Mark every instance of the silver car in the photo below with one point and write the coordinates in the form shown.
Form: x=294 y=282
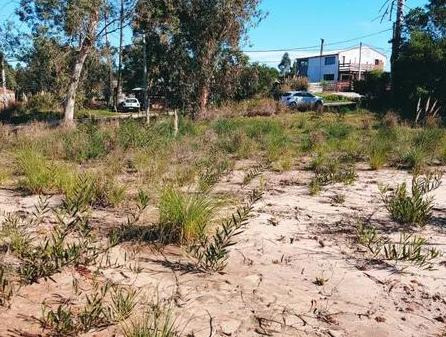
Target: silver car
x=302 y=100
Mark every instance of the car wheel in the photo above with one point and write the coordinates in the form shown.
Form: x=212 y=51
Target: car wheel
x=293 y=105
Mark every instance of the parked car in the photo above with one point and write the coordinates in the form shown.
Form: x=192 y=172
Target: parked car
x=129 y=104
x=302 y=100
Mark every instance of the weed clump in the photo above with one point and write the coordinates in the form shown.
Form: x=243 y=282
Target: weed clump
x=330 y=171
x=413 y=208
x=410 y=248
x=183 y=217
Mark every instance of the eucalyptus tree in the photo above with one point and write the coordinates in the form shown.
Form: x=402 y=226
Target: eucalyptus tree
x=199 y=33
x=79 y=24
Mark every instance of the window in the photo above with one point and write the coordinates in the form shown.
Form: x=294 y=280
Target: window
x=377 y=62
x=307 y=94
x=329 y=77
x=330 y=60
x=298 y=94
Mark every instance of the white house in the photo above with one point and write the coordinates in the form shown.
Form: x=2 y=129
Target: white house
x=341 y=66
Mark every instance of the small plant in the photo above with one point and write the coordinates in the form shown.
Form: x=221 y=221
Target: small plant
x=123 y=302
x=414 y=208
x=70 y=319
x=320 y=281
x=212 y=252
x=183 y=217
x=61 y=322
x=157 y=322
x=330 y=172
x=410 y=248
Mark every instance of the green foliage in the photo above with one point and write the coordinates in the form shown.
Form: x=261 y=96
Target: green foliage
x=329 y=171
x=419 y=71
x=94 y=311
x=183 y=217
x=414 y=208
x=410 y=248
x=211 y=252
x=124 y=301
x=41 y=175
x=86 y=142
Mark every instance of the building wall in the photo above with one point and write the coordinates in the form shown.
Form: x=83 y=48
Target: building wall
x=315 y=73
x=368 y=57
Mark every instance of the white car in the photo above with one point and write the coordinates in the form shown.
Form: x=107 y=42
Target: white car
x=302 y=100
x=130 y=104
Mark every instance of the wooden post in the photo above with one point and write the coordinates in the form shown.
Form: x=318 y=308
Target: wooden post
x=175 y=122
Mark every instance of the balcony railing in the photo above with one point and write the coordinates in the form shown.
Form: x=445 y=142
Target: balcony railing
x=354 y=67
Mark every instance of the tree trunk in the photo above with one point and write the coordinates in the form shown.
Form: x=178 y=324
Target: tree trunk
x=85 y=48
x=74 y=84
x=204 y=97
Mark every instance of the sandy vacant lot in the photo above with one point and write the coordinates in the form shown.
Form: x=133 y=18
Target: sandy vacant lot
x=269 y=287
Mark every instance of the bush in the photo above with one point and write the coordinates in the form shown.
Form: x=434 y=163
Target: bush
x=87 y=142
x=183 y=217
x=415 y=208
x=45 y=102
x=261 y=107
x=295 y=84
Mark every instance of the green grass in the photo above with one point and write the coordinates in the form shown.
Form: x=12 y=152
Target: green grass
x=39 y=175
x=184 y=217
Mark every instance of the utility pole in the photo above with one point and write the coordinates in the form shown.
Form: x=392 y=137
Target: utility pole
x=360 y=60
x=109 y=63
x=121 y=26
x=145 y=74
x=320 y=60
x=397 y=32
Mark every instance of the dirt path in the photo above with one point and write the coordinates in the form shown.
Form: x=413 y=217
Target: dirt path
x=269 y=287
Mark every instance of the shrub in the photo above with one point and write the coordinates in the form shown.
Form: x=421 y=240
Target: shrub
x=183 y=217
x=391 y=120
x=87 y=142
x=261 y=107
x=45 y=102
x=414 y=208
x=295 y=84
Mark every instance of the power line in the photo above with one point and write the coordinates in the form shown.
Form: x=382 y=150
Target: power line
x=316 y=46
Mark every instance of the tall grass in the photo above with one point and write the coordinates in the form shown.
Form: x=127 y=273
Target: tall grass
x=183 y=217
x=39 y=175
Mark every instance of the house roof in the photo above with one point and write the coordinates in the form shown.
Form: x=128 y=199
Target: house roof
x=337 y=52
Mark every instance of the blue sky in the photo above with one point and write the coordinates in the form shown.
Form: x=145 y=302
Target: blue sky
x=298 y=23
